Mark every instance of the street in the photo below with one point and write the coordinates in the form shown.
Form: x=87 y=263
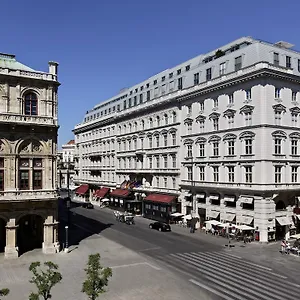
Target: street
x=209 y=266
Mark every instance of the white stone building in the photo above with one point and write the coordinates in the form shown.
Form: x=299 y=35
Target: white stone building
x=28 y=145
x=219 y=134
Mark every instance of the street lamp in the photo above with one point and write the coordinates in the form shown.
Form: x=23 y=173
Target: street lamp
x=67 y=239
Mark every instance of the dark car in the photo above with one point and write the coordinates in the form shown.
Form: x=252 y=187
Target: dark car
x=160 y=226
x=88 y=205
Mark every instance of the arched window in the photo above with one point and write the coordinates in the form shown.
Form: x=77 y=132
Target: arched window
x=30 y=104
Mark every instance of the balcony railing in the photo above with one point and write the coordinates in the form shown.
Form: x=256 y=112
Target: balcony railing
x=27 y=195
x=148 y=170
x=37 y=120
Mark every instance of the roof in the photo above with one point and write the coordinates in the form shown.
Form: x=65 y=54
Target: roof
x=8 y=61
x=71 y=142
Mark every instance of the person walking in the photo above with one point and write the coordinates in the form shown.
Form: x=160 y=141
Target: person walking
x=283 y=247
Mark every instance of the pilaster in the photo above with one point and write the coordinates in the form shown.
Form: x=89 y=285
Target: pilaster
x=50 y=244
x=11 y=249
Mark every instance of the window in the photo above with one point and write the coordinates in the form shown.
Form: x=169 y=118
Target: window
x=180 y=83
x=173 y=182
x=201 y=125
x=238 y=63
x=148 y=95
x=165 y=184
x=288 y=62
x=215 y=148
x=202 y=106
x=277 y=93
x=230 y=173
x=158 y=121
x=222 y=69
x=147 y=85
x=166 y=119
x=248 y=94
x=298 y=65
x=141 y=98
x=208 y=74
x=165 y=162
x=24 y=180
x=230 y=147
x=1 y=174
x=124 y=106
x=294 y=119
x=170 y=75
x=196 y=78
x=277 y=144
x=163 y=89
x=30 y=104
x=294 y=173
x=143 y=124
x=216 y=124
x=165 y=140
x=174 y=139
x=189 y=150
x=156 y=92
x=278 y=116
x=151 y=122
x=189 y=128
x=155 y=82
x=174 y=164
x=230 y=119
x=216 y=174
x=248 y=174
x=157 y=162
x=248 y=146
x=187 y=68
x=294 y=147
x=189 y=109
x=150 y=142
x=171 y=85
x=278 y=174
x=129 y=103
x=190 y=173
x=178 y=71
x=230 y=99
x=294 y=96
x=150 y=163
x=216 y=103
x=201 y=149
x=276 y=59
x=248 y=118
x=174 y=117
x=157 y=140
x=201 y=173
x=163 y=78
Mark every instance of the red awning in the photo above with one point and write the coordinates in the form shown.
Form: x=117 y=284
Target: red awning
x=82 y=189
x=101 y=193
x=160 y=198
x=120 y=193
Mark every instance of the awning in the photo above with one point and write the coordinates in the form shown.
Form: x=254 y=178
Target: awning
x=244 y=227
x=225 y=225
x=283 y=221
x=229 y=217
x=213 y=222
x=120 y=193
x=248 y=200
x=245 y=220
x=161 y=198
x=201 y=196
x=82 y=189
x=295 y=236
x=229 y=199
x=177 y=214
x=101 y=193
x=214 y=214
x=187 y=217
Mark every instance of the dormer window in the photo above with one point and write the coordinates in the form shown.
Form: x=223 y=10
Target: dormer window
x=30 y=104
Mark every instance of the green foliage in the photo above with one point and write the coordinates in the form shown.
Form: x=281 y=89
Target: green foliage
x=219 y=53
x=44 y=280
x=97 y=277
x=4 y=292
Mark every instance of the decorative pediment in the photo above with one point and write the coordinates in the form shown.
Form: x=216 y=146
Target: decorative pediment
x=188 y=121
x=214 y=115
x=295 y=110
x=279 y=108
x=229 y=136
x=201 y=118
x=201 y=140
x=279 y=134
x=229 y=112
x=295 y=135
x=214 y=138
x=246 y=109
x=188 y=141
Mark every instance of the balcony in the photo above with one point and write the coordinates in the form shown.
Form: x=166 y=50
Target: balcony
x=28 y=195
x=28 y=74
x=149 y=171
x=28 y=120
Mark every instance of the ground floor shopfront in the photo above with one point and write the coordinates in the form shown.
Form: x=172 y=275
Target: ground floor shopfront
x=25 y=226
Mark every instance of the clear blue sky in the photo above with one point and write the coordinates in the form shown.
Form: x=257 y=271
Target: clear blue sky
x=103 y=46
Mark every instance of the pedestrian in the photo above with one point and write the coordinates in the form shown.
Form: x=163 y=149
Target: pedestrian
x=283 y=246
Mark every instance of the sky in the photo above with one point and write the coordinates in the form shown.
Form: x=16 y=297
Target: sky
x=104 y=46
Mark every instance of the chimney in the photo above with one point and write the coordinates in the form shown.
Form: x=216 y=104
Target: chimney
x=53 y=67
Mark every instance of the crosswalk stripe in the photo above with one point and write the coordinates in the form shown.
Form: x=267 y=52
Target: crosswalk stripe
x=259 y=276
x=212 y=290
x=229 y=283
x=248 y=279
x=248 y=263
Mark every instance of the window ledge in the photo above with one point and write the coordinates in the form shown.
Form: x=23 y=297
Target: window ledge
x=279 y=155
x=246 y=155
x=295 y=155
x=215 y=156
x=230 y=156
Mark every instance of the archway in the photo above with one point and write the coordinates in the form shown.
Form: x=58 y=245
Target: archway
x=280 y=205
x=2 y=235
x=30 y=233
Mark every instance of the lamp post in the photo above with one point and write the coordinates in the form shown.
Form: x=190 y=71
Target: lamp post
x=68 y=188
x=67 y=239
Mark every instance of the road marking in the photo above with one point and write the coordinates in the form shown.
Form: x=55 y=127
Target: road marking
x=211 y=290
x=233 y=255
x=136 y=264
x=149 y=249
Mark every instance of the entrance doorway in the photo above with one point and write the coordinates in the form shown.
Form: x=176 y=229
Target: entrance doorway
x=2 y=235
x=30 y=233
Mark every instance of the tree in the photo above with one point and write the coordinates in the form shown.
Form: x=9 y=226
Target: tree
x=4 y=292
x=97 y=277
x=44 y=280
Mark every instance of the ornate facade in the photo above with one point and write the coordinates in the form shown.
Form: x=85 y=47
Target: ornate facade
x=220 y=132
x=28 y=145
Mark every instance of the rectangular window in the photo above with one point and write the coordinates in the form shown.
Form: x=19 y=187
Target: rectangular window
x=155 y=82
x=170 y=75
x=189 y=109
x=174 y=139
x=201 y=173
x=208 y=74
x=141 y=98
x=189 y=151
x=1 y=180
x=163 y=89
x=230 y=99
x=230 y=121
x=196 y=78
x=165 y=162
x=278 y=174
x=24 y=180
x=215 y=148
x=216 y=174
x=150 y=142
x=174 y=183
x=157 y=141
x=248 y=146
x=231 y=173
x=277 y=93
x=248 y=118
x=202 y=150
x=230 y=147
x=129 y=103
x=37 y=180
x=187 y=68
x=189 y=173
x=278 y=117
x=171 y=85
x=180 y=83
x=150 y=163
x=202 y=106
x=288 y=62
x=298 y=65
x=157 y=162
x=248 y=174
x=294 y=96
x=165 y=140
x=294 y=147
x=174 y=165
x=216 y=124
x=222 y=69
x=238 y=63
x=178 y=71
x=216 y=103
x=294 y=119
x=148 y=95
x=276 y=59
x=165 y=182
x=156 y=92
x=248 y=94
x=189 y=128
x=294 y=173
x=277 y=143
x=202 y=126
x=163 y=78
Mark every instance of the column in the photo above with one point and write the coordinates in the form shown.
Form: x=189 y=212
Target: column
x=50 y=244
x=11 y=249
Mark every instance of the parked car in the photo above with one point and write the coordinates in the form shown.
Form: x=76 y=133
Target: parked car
x=88 y=205
x=160 y=226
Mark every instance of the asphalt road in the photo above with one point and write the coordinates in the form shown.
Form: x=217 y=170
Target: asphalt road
x=208 y=266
